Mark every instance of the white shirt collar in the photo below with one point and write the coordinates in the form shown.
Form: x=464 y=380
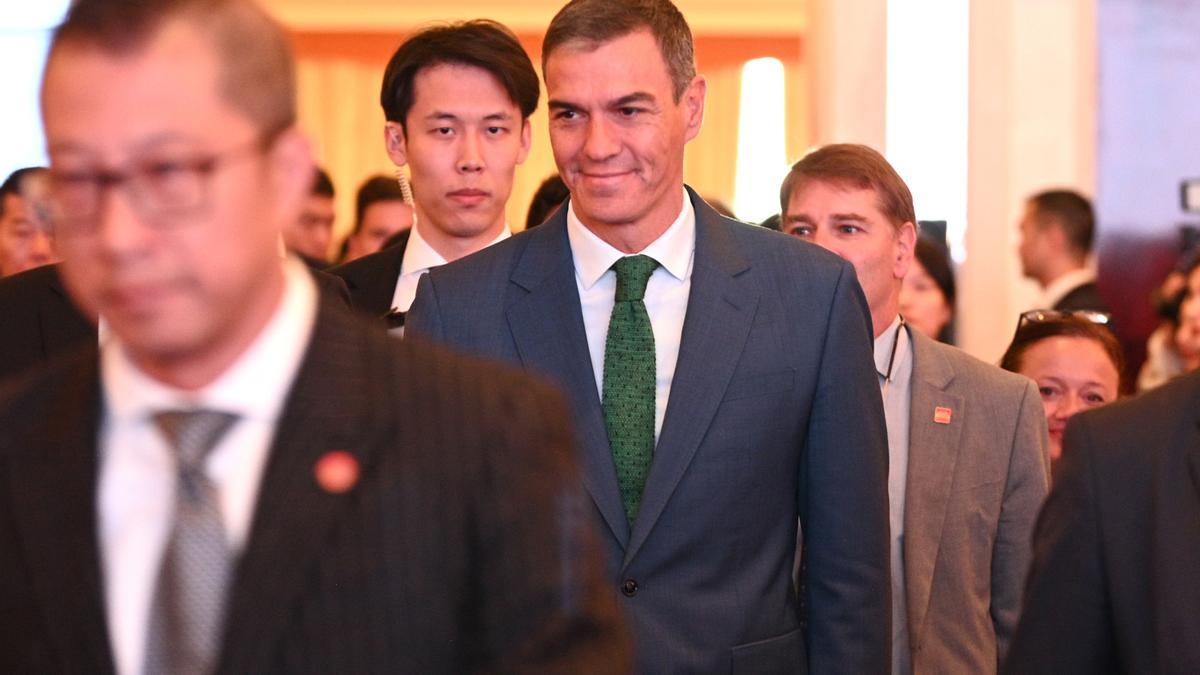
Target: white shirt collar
x=1058 y=289
x=672 y=250
x=254 y=387
x=420 y=257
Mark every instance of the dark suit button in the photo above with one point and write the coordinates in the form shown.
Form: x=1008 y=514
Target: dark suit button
x=629 y=587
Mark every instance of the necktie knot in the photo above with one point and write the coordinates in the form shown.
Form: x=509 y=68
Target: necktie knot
x=633 y=273
x=192 y=434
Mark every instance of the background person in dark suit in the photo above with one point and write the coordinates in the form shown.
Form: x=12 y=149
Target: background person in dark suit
x=730 y=393
x=1114 y=586
x=26 y=239
x=244 y=479
x=1057 y=231
x=457 y=100
x=309 y=236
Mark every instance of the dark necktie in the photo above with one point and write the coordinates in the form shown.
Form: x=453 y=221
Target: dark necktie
x=629 y=381
x=186 y=614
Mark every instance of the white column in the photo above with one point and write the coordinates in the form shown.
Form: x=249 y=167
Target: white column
x=1032 y=125
x=849 y=71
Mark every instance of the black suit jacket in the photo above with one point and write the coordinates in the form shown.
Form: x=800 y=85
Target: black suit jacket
x=1115 y=582
x=38 y=320
x=462 y=546
x=371 y=279
x=1085 y=296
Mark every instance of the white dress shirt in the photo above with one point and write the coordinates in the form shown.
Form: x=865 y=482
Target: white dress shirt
x=895 y=383
x=419 y=258
x=1060 y=287
x=666 y=294
x=137 y=469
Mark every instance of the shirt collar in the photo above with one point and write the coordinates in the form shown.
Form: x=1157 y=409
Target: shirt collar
x=1068 y=282
x=254 y=387
x=673 y=249
x=883 y=347
x=419 y=256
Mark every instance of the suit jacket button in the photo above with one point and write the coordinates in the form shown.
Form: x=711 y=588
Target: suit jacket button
x=629 y=587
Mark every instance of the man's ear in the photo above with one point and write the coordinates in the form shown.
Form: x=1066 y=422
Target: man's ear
x=693 y=106
x=905 y=246
x=526 y=140
x=396 y=143
x=292 y=170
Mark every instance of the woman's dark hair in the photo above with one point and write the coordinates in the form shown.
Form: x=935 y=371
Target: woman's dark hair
x=937 y=263
x=1033 y=332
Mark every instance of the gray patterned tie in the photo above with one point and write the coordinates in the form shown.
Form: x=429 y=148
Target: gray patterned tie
x=184 y=630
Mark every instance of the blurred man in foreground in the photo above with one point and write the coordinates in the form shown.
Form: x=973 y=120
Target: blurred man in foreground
x=244 y=479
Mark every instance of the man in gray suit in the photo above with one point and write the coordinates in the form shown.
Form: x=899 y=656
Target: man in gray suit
x=967 y=441
x=720 y=378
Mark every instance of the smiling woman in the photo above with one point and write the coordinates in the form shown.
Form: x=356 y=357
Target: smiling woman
x=1075 y=362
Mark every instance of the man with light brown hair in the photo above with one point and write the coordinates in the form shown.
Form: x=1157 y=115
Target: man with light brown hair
x=243 y=477
x=967 y=442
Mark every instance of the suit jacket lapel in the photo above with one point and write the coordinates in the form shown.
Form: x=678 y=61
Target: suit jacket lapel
x=328 y=409
x=545 y=278
x=375 y=292
x=720 y=312
x=933 y=450
x=54 y=504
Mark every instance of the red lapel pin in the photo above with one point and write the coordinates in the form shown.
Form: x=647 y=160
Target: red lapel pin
x=336 y=471
x=942 y=415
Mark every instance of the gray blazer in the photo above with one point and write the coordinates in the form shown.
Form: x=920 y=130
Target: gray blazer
x=974 y=489
x=774 y=414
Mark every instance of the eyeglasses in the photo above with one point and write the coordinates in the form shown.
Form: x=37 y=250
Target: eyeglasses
x=1046 y=315
x=159 y=188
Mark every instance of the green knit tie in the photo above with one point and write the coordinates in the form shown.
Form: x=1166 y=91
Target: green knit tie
x=629 y=381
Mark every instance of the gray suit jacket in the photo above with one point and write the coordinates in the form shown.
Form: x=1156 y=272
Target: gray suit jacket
x=774 y=414
x=975 y=486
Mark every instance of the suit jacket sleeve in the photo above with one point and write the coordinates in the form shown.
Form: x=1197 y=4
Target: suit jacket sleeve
x=423 y=318
x=1024 y=491
x=1064 y=625
x=545 y=607
x=844 y=500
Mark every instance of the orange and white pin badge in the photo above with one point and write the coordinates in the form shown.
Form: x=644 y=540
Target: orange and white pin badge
x=942 y=415
x=336 y=472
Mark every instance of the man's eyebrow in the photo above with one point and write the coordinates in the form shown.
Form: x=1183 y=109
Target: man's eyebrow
x=798 y=218
x=635 y=97
x=848 y=216
x=438 y=115
x=628 y=99
x=501 y=116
